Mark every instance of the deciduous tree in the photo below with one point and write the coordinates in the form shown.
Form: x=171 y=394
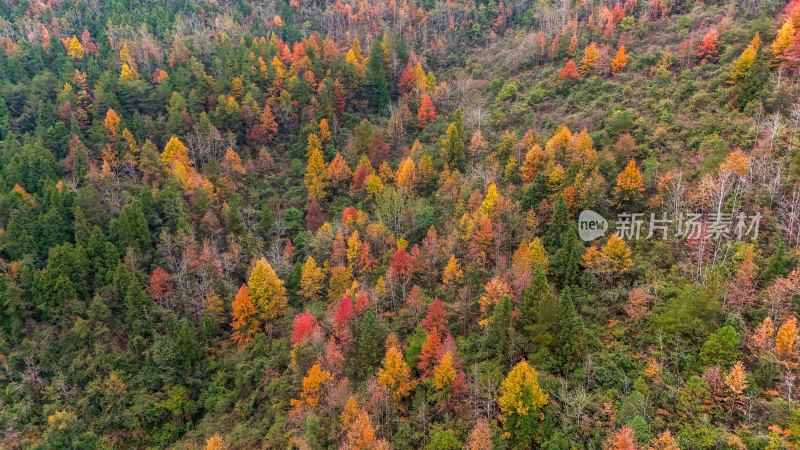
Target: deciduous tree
x=267 y=291
x=521 y=401
x=245 y=317
x=395 y=374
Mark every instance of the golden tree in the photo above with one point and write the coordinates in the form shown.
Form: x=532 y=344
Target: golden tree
x=311 y=279
x=786 y=340
x=395 y=374
x=520 y=401
x=783 y=40
x=591 y=55
x=312 y=385
x=452 y=271
x=215 y=442
x=406 y=174
x=629 y=182
x=664 y=441
x=316 y=176
x=74 y=48
x=267 y=291
x=444 y=373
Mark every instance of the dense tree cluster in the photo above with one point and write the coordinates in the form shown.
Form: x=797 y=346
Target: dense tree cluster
x=352 y=225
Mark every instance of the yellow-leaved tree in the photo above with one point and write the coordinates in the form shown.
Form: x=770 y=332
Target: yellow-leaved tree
x=74 y=48
x=316 y=176
x=311 y=278
x=444 y=373
x=312 y=385
x=267 y=291
x=521 y=400
x=629 y=183
x=395 y=374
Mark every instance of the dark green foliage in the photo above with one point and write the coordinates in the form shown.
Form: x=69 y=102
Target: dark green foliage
x=368 y=348
x=375 y=90
x=501 y=336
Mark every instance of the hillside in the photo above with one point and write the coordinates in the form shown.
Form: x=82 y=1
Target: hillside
x=364 y=225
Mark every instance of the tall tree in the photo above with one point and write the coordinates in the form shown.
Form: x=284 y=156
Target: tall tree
x=267 y=291
x=376 y=89
x=521 y=401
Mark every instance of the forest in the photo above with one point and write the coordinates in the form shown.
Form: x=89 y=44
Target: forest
x=362 y=224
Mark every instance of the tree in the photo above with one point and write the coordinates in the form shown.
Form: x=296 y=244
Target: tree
x=480 y=438
x=444 y=373
x=622 y=439
x=215 y=442
x=175 y=150
x=312 y=385
x=359 y=433
x=521 y=401
x=344 y=312
x=311 y=279
x=589 y=62
x=315 y=178
x=339 y=172
x=267 y=291
x=707 y=50
x=620 y=60
x=614 y=258
x=638 y=298
x=436 y=318
x=377 y=92
x=742 y=289
x=537 y=293
x=501 y=335
x=664 y=441
x=748 y=73
x=783 y=40
x=160 y=285
x=74 y=48
x=441 y=439
x=304 y=325
x=265 y=128
x=452 y=144
x=112 y=122
x=721 y=347
x=786 y=340
x=736 y=379
x=629 y=183
x=245 y=319
x=395 y=374
x=569 y=72
x=368 y=345
x=430 y=352
x=132 y=229
x=452 y=271
x=406 y=174
x=426 y=112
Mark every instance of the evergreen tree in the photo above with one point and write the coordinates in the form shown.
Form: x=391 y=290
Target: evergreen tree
x=368 y=347
x=566 y=262
x=559 y=223
x=501 y=336
x=132 y=229
x=376 y=89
